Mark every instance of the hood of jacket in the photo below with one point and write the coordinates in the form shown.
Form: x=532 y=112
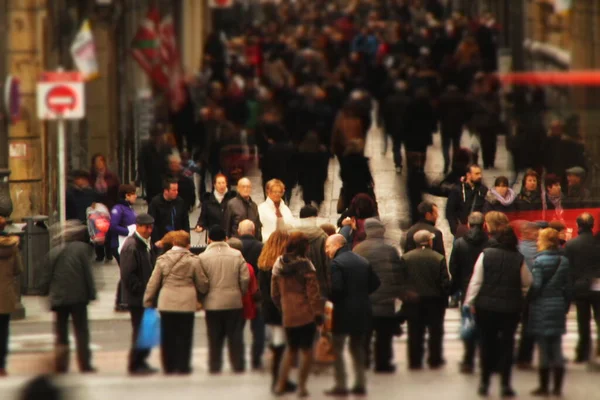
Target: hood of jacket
x=494 y=197
x=476 y=236
x=374 y=228
x=7 y=244
x=287 y=266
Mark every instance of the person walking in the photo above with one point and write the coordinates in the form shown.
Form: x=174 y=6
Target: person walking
x=137 y=262
x=168 y=211
x=122 y=216
x=425 y=273
x=11 y=267
x=242 y=207
x=251 y=249
x=583 y=253
x=173 y=288
x=68 y=282
x=495 y=294
x=465 y=252
x=385 y=261
x=295 y=291
x=272 y=250
x=352 y=281
x=428 y=213
x=549 y=306
x=225 y=281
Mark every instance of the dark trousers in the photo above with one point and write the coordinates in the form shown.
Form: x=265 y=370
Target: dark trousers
x=4 y=332
x=489 y=145
x=584 y=315
x=450 y=139
x=527 y=341
x=470 y=348
x=383 y=329
x=78 y=313
x=104 y=250
x=428 y=315
x=177 y=336
x=118 y=296
x=221 y=324
x=137 y=357
x=497 y=331
x=258 y=329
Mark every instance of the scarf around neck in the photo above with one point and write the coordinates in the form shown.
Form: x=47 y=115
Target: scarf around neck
x=219 y=196
x=505 y=201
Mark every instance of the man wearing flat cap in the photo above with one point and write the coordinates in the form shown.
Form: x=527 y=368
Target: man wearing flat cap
x=423 y=271
x=575 y=188
x=225 y=281
x=137 y=263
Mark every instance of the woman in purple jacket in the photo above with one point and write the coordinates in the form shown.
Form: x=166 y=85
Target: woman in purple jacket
x=122 y=216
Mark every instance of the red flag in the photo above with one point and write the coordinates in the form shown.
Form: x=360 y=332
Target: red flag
x=145 y=48
x=171 y=61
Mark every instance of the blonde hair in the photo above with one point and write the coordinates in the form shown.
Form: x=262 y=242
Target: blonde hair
x=548 y=239
x=496 y=221
x=274 y=247
x=274 y=182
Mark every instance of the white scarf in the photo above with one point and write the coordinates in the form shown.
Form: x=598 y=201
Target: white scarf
x=219 y=196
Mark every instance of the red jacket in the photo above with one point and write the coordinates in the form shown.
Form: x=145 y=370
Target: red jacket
x=248 y=299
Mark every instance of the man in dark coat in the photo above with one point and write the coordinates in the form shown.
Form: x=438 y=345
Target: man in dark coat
x=352 y=281
x=425 y=273
x=240 y=208
x=393 y=112
x=385 y=261
x=465 y=198
x=185 y=185
x=583 y=253
x=251 y=249
x=428 y=216
x=80 y=196
x=168 y=211
x=137 y=263
x=465 y=252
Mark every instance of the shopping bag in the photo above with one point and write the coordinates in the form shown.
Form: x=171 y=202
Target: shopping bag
x=324 y=350
x=468 y=328
x=149 y=333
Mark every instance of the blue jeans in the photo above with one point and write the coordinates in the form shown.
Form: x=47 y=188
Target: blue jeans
x=550 y=348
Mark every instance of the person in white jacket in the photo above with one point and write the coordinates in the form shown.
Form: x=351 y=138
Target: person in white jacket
x=274 y=213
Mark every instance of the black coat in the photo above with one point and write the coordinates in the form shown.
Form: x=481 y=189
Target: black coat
x=251 y=249
x=187 y=189
x=352 y=281
x=438 y=242
x=237 y=210
x=213 y=212
x=137 y=263
x=583 y=253
x=462 y=201
x=465 y=252
x=78 y=201
x=168 y=216
x=271 y=313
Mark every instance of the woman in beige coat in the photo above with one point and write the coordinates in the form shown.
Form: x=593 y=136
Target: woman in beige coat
x=174 y=282
x=10 y=268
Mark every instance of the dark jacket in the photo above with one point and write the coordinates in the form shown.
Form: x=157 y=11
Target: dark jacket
x=122 y=215
x=295 y=290
x=137 y=263
x=352 y=281
x=168 y=216
x=187 y=190
x=251 y=249
x=385 y=261
x=110 y=197
x=316 y=254
x=213 y=212
x=465 y=252
x=11 y=267
x=239 y=209
x=78 y=200
x=438 y=242
x=462 y=201
x=492 y=203
x=501 y=290
x=583 y=253
x=67 y=275
x=549 y=299
x=271 y=314
x=426 y=273
x=528 y=201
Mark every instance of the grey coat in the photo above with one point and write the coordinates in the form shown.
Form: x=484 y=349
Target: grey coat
x=385 y=261
x=549 y=301
x=225 y=277
x=239 y=209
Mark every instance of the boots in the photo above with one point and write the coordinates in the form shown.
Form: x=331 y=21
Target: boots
x=559 y=376
x=542 y=390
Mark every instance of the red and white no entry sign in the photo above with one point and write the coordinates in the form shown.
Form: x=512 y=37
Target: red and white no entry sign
x=60 y=95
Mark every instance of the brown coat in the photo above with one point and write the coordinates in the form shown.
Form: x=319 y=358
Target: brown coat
x=10 y=268
x=295 y=291
x=175 y=281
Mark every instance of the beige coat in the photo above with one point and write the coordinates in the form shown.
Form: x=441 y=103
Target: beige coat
x=226 y=277
x=176 y=281
x=10 y=268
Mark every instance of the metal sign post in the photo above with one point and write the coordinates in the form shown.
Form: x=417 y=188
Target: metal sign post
x=62 y=173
